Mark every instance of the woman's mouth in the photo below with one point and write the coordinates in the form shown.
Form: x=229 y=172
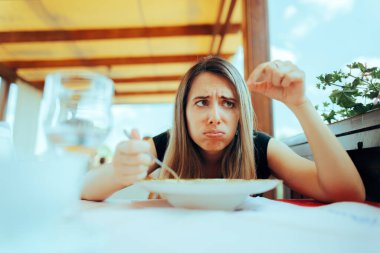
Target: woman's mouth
x=214 y=134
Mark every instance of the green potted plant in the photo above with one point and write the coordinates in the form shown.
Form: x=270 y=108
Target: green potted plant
x=355 y=92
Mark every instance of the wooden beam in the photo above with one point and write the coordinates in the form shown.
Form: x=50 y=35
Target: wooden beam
x=39 y=84
x=226 y=26
x=141 y=93
x=143 y=79
x=33 y=64
x=216 y=29
x=144 y=99
x=4 y=94
x=256 y=51
x=102 y=34
x=7 y=73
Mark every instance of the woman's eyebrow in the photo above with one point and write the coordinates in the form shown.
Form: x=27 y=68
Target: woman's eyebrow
x=228 y=98
x=200 y=97
x=206 y=97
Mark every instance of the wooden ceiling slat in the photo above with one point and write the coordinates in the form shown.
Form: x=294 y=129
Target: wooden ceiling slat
x=148 y=79
x=153 y=92
x=144 y=99
x=226 y=27
x=39 y=84
x=216 y=29
x=102 y=34
x=33 y=64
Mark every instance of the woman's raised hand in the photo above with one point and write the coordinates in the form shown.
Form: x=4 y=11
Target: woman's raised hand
x=131 y=161
x=280 y=80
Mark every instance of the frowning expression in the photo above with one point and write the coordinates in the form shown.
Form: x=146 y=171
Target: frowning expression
x=212 y=112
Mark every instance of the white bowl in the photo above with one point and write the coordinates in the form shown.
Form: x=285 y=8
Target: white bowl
x=216 y=194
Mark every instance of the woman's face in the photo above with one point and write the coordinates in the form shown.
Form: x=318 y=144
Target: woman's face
x=212 y=112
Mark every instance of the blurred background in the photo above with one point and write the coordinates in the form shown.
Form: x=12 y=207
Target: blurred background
x=146 y=46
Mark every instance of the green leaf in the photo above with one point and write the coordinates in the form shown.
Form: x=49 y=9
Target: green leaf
x=329 y=117
x=321 y=78
x=359 y=109
x=371 y=106
x=329 y=78
x=376 y=74
x=373 y=94
x=342 y=98
x=356 y=82
x=362 y=67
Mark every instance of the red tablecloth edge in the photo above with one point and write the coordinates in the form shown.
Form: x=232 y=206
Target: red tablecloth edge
x=314 y=203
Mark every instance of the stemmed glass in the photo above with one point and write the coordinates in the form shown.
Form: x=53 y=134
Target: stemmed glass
x=78 y=110
x=77 y=118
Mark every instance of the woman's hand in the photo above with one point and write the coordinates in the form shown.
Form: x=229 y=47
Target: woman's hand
x=280 y=80
x=131 y=161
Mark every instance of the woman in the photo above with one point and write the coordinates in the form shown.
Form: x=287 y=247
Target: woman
x=213 y=137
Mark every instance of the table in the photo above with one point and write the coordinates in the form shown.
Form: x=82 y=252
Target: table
x=262 y=225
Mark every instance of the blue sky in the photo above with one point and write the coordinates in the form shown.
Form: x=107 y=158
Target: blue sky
x=321 y=36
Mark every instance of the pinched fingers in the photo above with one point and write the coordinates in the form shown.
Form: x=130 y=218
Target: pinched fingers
x=125 y=158
x=276 y=73
x=258 y=75
x=130 y=151
x=132 y=147
x=127 y=173
x=293 y=77
x=290 y=74
x=131 y=161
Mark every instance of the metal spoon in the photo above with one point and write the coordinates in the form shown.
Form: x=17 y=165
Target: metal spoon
x=156 y=160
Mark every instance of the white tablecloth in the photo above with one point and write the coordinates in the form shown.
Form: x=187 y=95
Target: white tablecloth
x=154 y=226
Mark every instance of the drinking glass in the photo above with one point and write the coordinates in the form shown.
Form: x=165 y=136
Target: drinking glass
x=77 y=110
x=41 y=190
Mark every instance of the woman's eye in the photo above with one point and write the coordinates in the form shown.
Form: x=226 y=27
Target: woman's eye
x=229 y=104
x=201 y=103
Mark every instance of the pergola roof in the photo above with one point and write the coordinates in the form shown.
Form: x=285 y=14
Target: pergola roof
x=145 y=46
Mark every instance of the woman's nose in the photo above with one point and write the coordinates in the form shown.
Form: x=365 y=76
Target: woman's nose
x=214 y=115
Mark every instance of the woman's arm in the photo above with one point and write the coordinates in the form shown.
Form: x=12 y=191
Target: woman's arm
x=332 y=176
x=130 y=164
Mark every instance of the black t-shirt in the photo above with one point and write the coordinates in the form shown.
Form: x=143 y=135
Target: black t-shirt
x=260 y=140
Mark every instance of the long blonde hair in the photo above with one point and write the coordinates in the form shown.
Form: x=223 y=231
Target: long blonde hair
x=184 y=156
